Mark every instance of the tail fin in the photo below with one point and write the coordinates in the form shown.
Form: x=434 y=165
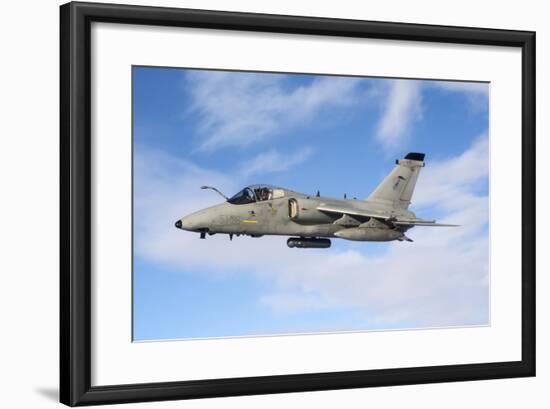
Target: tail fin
x=397 y=188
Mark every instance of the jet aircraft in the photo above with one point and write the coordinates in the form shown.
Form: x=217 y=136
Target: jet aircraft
x=312 y=220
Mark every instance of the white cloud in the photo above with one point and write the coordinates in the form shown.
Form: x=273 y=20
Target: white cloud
x=165 y=189
x=402 y=109
x=239 y=109
x=274 y=161
x=441 y=279
x=452 y=184
x=403 y=106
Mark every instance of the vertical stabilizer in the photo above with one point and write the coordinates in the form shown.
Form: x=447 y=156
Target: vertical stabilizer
x=397 y=188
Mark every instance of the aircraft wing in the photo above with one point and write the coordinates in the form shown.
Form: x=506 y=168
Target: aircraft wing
x=339 y=209
x=351 y=211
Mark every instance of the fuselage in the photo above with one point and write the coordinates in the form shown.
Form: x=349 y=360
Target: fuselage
x=288 y=213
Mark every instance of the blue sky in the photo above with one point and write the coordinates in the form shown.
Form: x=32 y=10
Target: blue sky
x=307 y=133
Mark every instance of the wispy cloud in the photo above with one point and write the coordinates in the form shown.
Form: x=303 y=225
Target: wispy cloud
x=165 y=189
x=402 y=108
x=239 y=109
x=242 y=109
x=274 y=161
x=454 y=183
x=441 y=279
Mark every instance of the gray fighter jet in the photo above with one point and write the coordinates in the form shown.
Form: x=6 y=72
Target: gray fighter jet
x=260 y=210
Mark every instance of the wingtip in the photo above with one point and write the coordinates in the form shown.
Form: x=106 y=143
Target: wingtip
x=415 y=156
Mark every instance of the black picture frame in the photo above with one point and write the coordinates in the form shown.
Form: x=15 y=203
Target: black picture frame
x=76 y=198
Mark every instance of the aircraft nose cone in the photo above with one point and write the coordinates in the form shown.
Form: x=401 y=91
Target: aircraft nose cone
x=198 y=221
x=192 y=222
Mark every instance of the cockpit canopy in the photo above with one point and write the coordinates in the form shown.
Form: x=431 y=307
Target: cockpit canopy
x=256 y=193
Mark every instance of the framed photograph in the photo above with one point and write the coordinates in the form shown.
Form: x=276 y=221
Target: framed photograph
x=256 y=204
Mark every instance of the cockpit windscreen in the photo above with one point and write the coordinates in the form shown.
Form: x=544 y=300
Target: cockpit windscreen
x=245 y=196
x=256 y=193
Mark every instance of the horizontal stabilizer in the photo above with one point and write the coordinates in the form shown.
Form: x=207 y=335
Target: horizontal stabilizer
x=428 y=223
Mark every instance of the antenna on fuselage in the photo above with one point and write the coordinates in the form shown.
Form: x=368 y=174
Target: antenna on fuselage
x=215 y=190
